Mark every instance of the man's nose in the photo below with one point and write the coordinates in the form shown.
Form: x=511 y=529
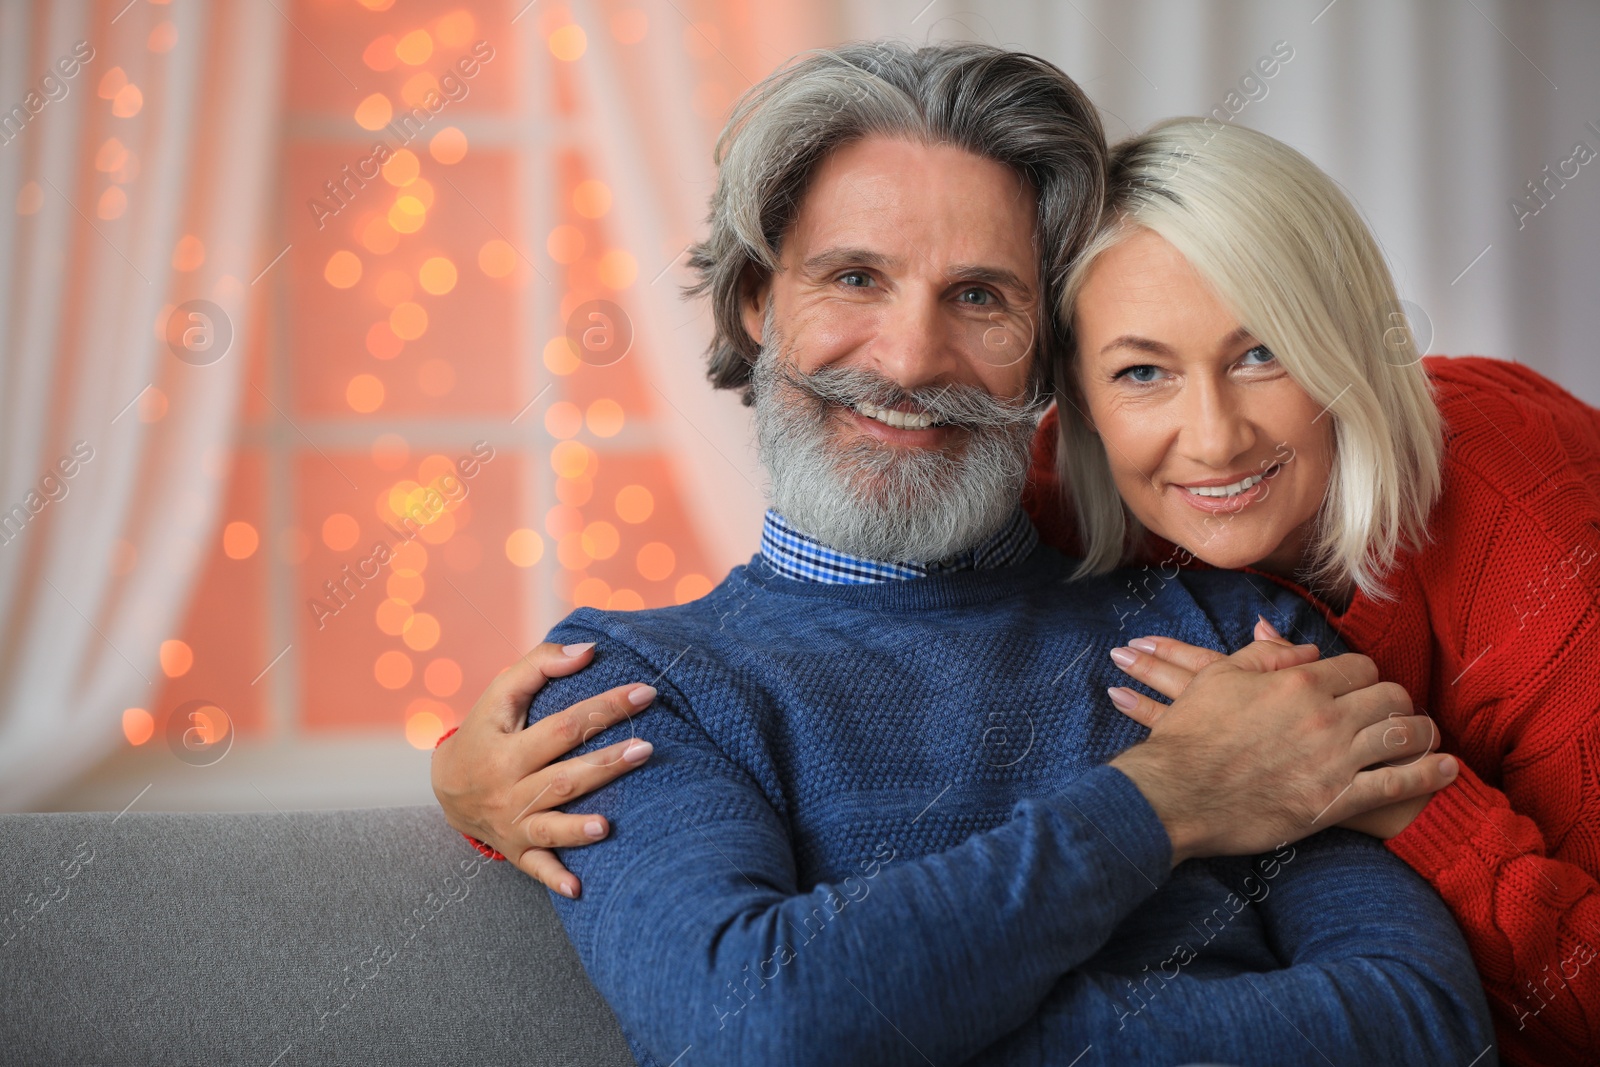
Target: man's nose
x=917 y=344
x=1216 y=430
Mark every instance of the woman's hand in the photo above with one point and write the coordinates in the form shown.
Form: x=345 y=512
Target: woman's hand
x=1168 y=666
x=501 y=782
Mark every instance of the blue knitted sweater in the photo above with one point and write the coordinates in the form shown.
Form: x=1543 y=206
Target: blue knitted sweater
x=877 y=828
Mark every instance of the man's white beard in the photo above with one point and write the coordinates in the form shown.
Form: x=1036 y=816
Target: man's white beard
x=876 y=500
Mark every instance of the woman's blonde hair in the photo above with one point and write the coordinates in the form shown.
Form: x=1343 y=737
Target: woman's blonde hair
x=1289 y=255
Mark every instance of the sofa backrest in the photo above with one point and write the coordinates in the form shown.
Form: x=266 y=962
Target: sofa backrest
x=374 y=936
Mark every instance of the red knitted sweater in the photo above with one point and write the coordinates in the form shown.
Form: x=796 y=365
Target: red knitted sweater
x=1495 y=631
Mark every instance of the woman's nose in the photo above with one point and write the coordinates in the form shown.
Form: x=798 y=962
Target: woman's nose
x=1216 y=430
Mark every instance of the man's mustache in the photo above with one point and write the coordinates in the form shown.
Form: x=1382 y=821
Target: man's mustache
x=952 y=404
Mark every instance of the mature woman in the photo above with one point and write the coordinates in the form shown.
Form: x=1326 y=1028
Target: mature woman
x=1242 y=385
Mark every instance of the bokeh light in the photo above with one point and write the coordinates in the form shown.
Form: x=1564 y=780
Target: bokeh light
x=392 y=669
x=382 y=342
x=691 y=587
x=563 y=419
x=569 y=42
x=379 y=54
x=656 y=561
x=408 y=320
x=437 y=275
x=128 y=102
x=420 y=632
x=605 y=417
x=402 y=168
x=455 y=29
x=624 y=600
x=565 y=244
x=176 y=658
x=378 y=237
x=340 y=531
x=571 y=459
x=601 y=540
x=112 y=203
x=137 y=725
x=524 y=547
x=497 y=258
x=591 y=593
x=374 y=112
x=423 y=730
x=392 y=615
x=364 y=393
x=448 y=146
x=414 y=48
x=343 y=269
x=618 y=269
x=442 y=677
x=634 y=503
x=189 y=253
x=240 y=540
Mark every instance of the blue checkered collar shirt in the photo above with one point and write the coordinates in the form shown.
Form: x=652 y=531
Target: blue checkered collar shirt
x=805 y=559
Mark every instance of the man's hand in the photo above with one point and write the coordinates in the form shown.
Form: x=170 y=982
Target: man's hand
x=498 y=781
x=1268 y=745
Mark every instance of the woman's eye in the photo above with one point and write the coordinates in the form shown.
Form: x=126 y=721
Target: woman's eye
x=1144 y=373
x=1259 y=356
x=978 y=297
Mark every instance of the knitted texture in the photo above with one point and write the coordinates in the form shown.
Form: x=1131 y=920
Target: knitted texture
x=1494 y=629
x=877 y=828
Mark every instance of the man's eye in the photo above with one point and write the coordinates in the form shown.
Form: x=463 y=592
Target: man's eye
x=1143 y=373
x=1259 y=356
x=976 y=297
x=856 y=279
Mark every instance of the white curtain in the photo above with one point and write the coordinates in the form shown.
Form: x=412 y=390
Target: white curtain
x=83 y=302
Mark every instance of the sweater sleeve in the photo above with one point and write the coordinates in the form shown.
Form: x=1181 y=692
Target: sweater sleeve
x=693 y=926
x=1373 y=971
x=1533 y=921
x=1517 y=624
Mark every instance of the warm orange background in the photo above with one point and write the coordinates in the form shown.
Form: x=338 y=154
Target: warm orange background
x=396 y=330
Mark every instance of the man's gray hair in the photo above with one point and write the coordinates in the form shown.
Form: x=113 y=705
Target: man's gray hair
x=1011 y=107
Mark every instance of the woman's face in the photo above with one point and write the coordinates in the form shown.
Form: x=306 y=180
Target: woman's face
x=1211 y=443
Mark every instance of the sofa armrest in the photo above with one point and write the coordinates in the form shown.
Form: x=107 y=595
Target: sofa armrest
x=374 y=936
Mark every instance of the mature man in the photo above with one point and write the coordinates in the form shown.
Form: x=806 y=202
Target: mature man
x=889 y=816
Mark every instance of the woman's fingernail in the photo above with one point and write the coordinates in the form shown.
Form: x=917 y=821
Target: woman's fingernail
x=640 y=695
x=595 y=829
x=1271 y=629
x=576 y=650
x=637 y=752
x=1123 y=657
x=1143 y=644
x=1124 y=699
x=569 y=890
x=1448 y=767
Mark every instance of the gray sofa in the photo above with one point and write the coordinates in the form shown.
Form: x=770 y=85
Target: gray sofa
x=350 y=937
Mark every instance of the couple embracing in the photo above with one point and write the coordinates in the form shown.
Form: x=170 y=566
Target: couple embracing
x=1147 y=651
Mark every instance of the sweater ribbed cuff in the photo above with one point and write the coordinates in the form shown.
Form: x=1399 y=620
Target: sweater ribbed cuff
x=1439 y=836
x=493 y=854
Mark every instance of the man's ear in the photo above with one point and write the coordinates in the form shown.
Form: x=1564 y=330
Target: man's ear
x=753 y=306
